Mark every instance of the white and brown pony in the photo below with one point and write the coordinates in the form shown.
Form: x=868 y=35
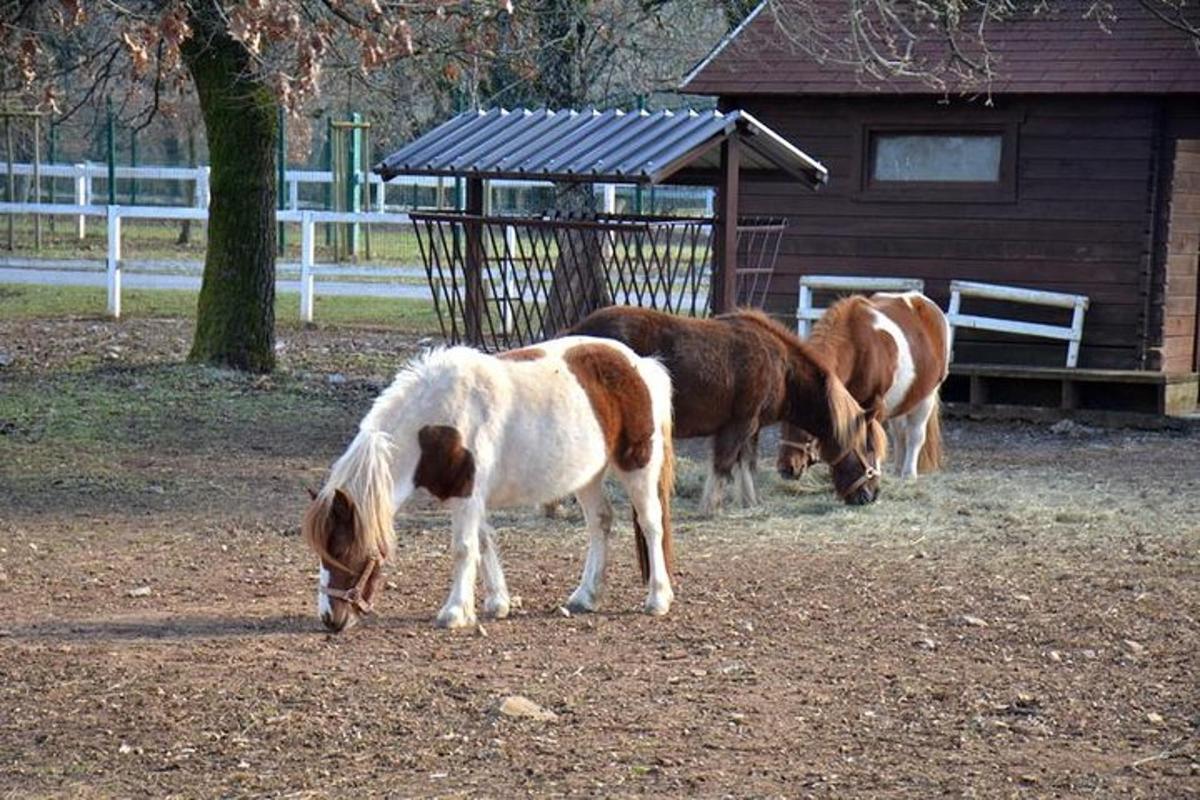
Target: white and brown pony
x=892 y=351
x=738 y=372
x=479 y=432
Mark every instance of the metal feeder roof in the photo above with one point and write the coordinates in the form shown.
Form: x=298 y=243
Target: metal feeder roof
x=598 y=146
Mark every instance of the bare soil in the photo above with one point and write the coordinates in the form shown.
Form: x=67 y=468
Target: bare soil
x=1025 y=623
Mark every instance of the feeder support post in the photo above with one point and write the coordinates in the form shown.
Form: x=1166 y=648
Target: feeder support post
x=474 y=262
x=724 y=278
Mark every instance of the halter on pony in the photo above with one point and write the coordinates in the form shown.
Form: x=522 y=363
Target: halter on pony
x=355 y=595
x=870 y=471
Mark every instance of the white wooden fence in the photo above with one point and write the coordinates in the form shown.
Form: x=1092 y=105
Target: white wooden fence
x=1072 y=333
x=83 y=175
x=807 y=313
x=309 y=268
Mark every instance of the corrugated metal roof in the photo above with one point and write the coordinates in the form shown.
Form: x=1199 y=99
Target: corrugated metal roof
x=601 y=146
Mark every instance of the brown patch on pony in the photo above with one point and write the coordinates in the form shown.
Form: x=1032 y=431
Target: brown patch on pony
x=522 y=354
x=620 y=400
x=446 y=468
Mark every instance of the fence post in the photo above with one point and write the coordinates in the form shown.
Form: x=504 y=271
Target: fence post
x=803 y=304
x=111 y=130
x=507 y=278
x=610 y=198
x=952 y=312
x=113 y=262
x=307 y=252
x=82 y=192
x=293 y=193
x=1076 y=332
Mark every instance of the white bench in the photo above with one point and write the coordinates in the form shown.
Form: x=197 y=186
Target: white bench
x=807 y=313
x=1013 y=294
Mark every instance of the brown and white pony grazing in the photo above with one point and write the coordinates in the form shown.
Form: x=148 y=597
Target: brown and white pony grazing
x=893 y=352
x=478 y=432
x=738 y=372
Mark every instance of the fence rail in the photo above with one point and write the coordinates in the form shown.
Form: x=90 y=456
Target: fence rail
x=84 y=174
x=114 y=265
x=1072 y=334
x=807 y=312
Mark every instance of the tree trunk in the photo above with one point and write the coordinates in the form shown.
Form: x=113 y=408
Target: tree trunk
x=578 y=284
x=235 y=318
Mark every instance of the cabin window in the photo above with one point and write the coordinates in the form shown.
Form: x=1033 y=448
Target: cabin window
x=936 y=157
x=936 y=160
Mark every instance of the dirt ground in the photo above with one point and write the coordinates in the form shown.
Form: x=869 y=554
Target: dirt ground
x=1024 y=624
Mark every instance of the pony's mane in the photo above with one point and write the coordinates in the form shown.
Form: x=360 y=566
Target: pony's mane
x=844 y=410
x=844 y=414
x=364 y=474
x=832 y=330
x=414 y=372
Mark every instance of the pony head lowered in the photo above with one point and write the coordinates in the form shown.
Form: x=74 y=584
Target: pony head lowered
x=349 y=526
x=856 y=447
x=849 y=438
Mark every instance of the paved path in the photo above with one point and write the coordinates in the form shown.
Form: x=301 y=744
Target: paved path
x=141 y=280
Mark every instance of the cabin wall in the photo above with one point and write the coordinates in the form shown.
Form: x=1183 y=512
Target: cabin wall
x=1078 y=217
x=1180 y=249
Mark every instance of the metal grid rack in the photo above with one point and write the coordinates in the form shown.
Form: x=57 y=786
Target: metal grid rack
x=501 y=282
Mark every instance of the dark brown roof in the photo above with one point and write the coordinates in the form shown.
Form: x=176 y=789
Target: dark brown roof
x=1056 y=53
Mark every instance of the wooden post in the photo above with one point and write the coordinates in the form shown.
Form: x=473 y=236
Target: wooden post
x=307 y=258
x=113 y=262
x=473 y=265
x=724 y=277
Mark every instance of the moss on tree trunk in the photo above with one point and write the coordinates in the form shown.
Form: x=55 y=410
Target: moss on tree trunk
x=235 y=319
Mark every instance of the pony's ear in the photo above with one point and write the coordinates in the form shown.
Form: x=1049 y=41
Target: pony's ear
x=312 y=495
x=342 y=508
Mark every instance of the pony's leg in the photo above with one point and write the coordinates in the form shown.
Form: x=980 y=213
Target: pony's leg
x=747 y=465
x=598 y=513
x=459 y=610
x=713 y=496
x=726 y=449
x=498 y=601
x=915 y=422
x=897 y=430
x=642 y=487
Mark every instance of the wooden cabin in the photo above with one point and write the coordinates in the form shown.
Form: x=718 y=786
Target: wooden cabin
x=1077 y=169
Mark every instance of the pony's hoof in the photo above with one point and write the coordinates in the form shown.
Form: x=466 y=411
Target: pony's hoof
x=451 y=618
x=581 y=602
x=657 y=606
x=497 y=607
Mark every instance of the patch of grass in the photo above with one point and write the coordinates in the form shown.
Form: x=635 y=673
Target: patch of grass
x=18 y=301
x=180 y=407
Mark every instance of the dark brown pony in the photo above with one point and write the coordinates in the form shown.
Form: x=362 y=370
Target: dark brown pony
x=892 y=352
x=736 y=373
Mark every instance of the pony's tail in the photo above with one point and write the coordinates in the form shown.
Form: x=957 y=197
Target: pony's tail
x=643 y=550
x=666 y=487
x=930 y=459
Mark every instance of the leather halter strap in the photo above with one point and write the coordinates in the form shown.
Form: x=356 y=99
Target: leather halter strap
x=870 y=472
x=355 y=594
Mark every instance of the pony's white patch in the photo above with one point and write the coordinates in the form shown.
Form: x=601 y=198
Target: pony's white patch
x=324 y=606
x=905 y=372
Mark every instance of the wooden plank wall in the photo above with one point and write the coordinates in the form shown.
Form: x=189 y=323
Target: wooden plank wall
x=1182 y=246
x=1080 y=220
